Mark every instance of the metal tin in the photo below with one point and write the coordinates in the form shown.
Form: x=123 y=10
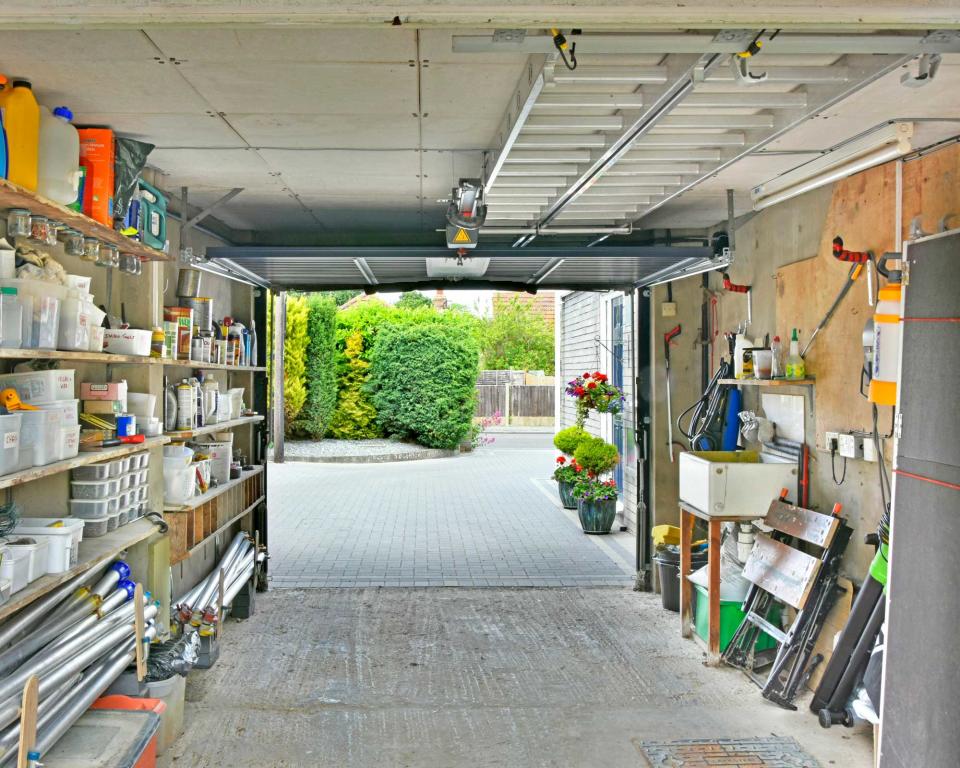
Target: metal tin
x=188 y=283
x=202 y=307
x=126 y=425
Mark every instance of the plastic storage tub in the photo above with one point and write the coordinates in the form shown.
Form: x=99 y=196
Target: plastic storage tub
x=92 y=507
x=94 y=527
x=41 y=386
x=128 y=341
x=9 y=443
x=15 y=566
x=113 y=520
x=148 y=758
x=37 y=550
x=179 y=484
x=126 y=481
x=731 y=616
x=64 y=533
x=39 y=438
x=95 y=489
x=69 y=410
x=70 y=441
x=99 y=471
x=733 y=483
x=123 y=516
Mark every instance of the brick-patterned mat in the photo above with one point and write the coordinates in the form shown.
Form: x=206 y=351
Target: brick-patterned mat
x=761 y=752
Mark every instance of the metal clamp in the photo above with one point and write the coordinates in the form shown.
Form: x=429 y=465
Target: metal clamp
x=927 y=66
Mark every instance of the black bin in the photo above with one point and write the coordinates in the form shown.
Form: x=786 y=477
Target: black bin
x=668 y=561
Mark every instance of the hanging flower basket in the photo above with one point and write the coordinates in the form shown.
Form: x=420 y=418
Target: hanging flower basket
x=593 y=392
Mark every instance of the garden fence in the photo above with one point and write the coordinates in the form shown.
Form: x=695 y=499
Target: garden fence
x=518 y=404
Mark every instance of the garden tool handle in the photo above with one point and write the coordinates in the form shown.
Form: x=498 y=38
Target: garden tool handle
x=842 y=254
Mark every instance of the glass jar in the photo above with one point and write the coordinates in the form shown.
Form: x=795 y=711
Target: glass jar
x=91 y=249
x=53 y=227
x=18 y=222
x=137 y=266
x=109 y=256
x=129 y=263
x=72 y=242
x=39 y=229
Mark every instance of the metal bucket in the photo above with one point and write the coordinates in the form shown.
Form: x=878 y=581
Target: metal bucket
x=202 y=307
x=188 y=283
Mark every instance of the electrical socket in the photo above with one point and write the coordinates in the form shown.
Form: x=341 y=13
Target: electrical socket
x=832 y=440
x=870 y=449
x=851 y=446
x=668 y=309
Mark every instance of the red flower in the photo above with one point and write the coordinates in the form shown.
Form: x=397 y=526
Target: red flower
x=591 y=474
x=597 y=375
x=579 y=391
x=561 y=460
x=586 y=376
x=592 y=385
x=600 y=376
x=575 y=466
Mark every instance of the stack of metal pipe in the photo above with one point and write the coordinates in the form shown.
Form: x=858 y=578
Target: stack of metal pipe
x=76 y=641
x=199 y=608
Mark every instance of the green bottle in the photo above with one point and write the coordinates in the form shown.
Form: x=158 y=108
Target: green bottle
x=796 y=368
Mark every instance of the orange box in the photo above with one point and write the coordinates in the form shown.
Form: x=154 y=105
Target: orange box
x=147 y=758
x=97 y=155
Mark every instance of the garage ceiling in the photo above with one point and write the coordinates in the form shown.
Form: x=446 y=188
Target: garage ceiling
x=363 y=131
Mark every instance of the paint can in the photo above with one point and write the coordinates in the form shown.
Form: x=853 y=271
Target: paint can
x=202 y=307
x=126 y=425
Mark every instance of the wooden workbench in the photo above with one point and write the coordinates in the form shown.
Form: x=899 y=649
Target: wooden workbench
x=687 y=515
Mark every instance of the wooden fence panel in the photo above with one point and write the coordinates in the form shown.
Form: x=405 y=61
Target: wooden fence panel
x=532 y=401
x=490 y=399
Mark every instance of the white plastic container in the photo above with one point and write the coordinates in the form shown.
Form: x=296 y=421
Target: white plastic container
x=143 y=460
x=11 y=319
x=99 y=471
x=26 y=321
x=64 y=534
x=236 y=402
x=123 y=516
x=44 y=322
x=68 y=410
x=77 y=317
x=113 y=520
x=143 y=477
x=69 y=441
x=39 y=438
x=221 y=456
x=127 y=463
x=176 y=456
x=95 y=489
x=733 y=483
x=80 y=282
x=16 y=567
x=142 y=405
x=179 y=485
x=37 y=551
x=126 y=482
x=94 y=527
x=44 y=387
x=89 y=507
x=129 y=341
x=59 y=154
x=9 y=443
x=97 y=338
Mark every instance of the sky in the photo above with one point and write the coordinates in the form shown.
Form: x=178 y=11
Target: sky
x=478 y=302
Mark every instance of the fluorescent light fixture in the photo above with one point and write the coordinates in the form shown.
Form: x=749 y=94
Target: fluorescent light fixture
x=880 y=146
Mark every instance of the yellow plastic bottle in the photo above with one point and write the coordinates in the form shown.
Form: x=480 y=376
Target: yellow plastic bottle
x=21 y=121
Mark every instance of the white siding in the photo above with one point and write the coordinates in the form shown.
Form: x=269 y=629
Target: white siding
x=581 y=323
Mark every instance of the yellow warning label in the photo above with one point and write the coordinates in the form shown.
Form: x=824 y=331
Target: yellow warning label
x=461 y=236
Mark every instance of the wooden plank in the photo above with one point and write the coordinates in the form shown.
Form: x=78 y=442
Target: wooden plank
x=189 y=434
x=140 y=628
x=770 y=382
x=198 y=366
x=686 y=588
x=92 y=552
x=786 y=573
x=12 y=196
x=713 y=596
x=76 y=357
x=214 y=492
x=805 y=524
x=28 y=720
x=80 y=460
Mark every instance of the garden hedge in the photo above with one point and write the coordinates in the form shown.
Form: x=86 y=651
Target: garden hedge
x=294 y=360
x=320 y=369
x=423 y=383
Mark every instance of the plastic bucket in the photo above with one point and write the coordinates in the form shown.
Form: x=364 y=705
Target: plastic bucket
x=669 y=564
x=221 y=456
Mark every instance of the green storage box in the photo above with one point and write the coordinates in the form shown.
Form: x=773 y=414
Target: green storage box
x=730 y=618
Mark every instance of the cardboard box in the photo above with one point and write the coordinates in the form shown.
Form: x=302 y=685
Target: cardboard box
x=112 y=407
x=97 y=156
x=183 y=317
x=111 y=390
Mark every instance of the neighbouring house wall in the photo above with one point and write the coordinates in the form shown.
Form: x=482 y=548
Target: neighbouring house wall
x=785 y=254
x=584 y=319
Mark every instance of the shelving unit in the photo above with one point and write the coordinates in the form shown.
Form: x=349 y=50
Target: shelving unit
x=769 y=382
x=199 y=501
x=92 y=552
x=81 y=460
x=12 y=196
x=212 y=366
x=210 y=428
x=75 y=357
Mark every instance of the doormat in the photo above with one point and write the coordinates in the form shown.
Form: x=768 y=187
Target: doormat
x=761 y=752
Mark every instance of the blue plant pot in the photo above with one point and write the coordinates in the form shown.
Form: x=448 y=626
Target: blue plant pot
x=566 y=495
x=597 y=516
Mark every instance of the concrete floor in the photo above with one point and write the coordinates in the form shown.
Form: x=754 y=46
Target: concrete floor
x=350 y=678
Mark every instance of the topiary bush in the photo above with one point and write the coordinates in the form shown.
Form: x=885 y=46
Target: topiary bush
x=294 y=360
x=596 y=455
x=567 y=440
x=423 y=383
x=320 y=369
x=355 y=416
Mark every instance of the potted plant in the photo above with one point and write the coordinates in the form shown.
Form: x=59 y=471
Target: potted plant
x=596 y=504
x=593 y=392
x=596 y=498
x=567 y=474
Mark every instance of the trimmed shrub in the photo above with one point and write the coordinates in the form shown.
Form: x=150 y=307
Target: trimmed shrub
x=413 y=300
x=321 y=373
x=423 y=383
x=517 y=338
x=596 y=455
x=355 y=417
x=294 y=360
x=567 y=440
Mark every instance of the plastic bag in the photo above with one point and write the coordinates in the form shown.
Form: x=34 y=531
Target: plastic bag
x=174 y=657
x=130 y=159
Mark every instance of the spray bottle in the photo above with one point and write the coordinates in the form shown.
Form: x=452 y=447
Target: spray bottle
x=796 y=368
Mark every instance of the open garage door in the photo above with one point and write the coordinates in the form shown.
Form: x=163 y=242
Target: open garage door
x=498 y=268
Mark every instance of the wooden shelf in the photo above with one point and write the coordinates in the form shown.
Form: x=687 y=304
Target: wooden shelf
x=80 y=460
x=219 y=427
x=12 y=196
x=198 y=501
x=770 y=382
x=227 y=524
x=212 y=366
x=92 y=552
x=76 y=357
